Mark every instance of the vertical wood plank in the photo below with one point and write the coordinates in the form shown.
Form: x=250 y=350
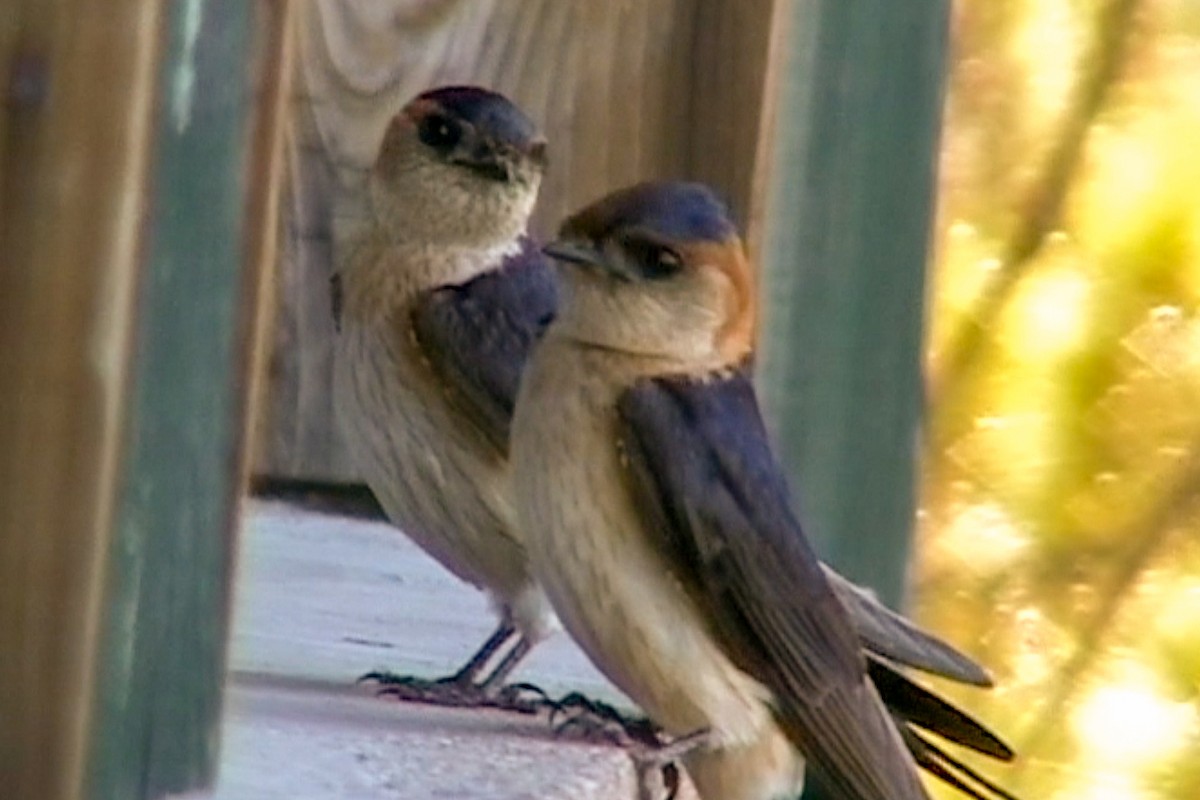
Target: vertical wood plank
x=263 y=239
x=853 y=201
x=736 y=60
x=74 y=144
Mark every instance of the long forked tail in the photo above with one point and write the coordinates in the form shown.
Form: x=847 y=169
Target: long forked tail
x=945 y=767
x=913 y=708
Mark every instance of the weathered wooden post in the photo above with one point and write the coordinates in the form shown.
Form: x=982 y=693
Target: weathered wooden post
x=137 y=155
x=847 y=247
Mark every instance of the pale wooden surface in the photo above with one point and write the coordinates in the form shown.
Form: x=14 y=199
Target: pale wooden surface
x=325 y=598
x=625 y=90
x=321 y=599
x=76 y=121
x=294 y=741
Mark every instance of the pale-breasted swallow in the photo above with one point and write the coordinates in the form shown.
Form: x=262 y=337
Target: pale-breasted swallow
x=661 y=527
x=436 y=309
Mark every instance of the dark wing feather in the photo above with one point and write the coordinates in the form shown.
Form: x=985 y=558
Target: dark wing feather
x=477 y=336
x=884 y=632
x=711 y=488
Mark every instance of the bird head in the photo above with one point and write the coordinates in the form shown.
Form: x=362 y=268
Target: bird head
x=458 y=166
x=658 y=269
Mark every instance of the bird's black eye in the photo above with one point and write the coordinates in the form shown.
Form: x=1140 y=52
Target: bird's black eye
x=654 y=261
x=439 y=132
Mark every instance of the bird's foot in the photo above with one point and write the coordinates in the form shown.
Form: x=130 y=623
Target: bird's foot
x=523 y=698
x=652 y=752
x=455 y=692
x=582 y=718
x=449 y=691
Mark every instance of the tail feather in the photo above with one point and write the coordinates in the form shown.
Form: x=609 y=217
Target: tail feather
x=918 y=706
x=913 y=707
x=946 y=767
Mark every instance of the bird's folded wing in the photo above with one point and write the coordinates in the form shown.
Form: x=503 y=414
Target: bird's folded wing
x=706 y=479
x=477 y=336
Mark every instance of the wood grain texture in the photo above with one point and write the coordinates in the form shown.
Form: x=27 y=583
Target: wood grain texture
x=74 y=147
x=625 y=90
x=274 y=71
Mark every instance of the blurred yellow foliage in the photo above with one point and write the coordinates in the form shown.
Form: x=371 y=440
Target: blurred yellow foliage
x=1061 y=484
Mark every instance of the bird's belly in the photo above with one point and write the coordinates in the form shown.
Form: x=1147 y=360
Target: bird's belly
x=639 y=627
x=437 y=484
x=615 y=593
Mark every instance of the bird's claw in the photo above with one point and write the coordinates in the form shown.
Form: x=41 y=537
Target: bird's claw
x=523 y=698
x=599 y=720
x=453 y=691
x=441 y=692
x=577 y=702
x=381 y=677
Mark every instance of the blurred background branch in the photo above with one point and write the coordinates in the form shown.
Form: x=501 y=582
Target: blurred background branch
x=1062 y=460
x=1143 y=540
x=1099 y=68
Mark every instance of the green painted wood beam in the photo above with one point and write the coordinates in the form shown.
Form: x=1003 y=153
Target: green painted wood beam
x=155 y=725
x=847 y=244
x=846 y=249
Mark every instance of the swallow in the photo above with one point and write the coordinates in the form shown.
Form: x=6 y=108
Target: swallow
x=436 y=308
x=660 y=525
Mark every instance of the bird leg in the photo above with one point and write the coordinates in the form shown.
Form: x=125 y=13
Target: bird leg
x=524 y=698
x=494 y=682
x=464 y=689
x=464 y=677
x=656 y=768
x=597 y=722
x=472 y=669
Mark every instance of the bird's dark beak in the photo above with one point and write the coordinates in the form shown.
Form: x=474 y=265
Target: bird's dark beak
x=586 y=255
x=574 y=252
x=484 y=160
x=536 y=152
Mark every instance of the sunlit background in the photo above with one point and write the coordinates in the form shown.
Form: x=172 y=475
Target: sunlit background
x=1061 y=475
